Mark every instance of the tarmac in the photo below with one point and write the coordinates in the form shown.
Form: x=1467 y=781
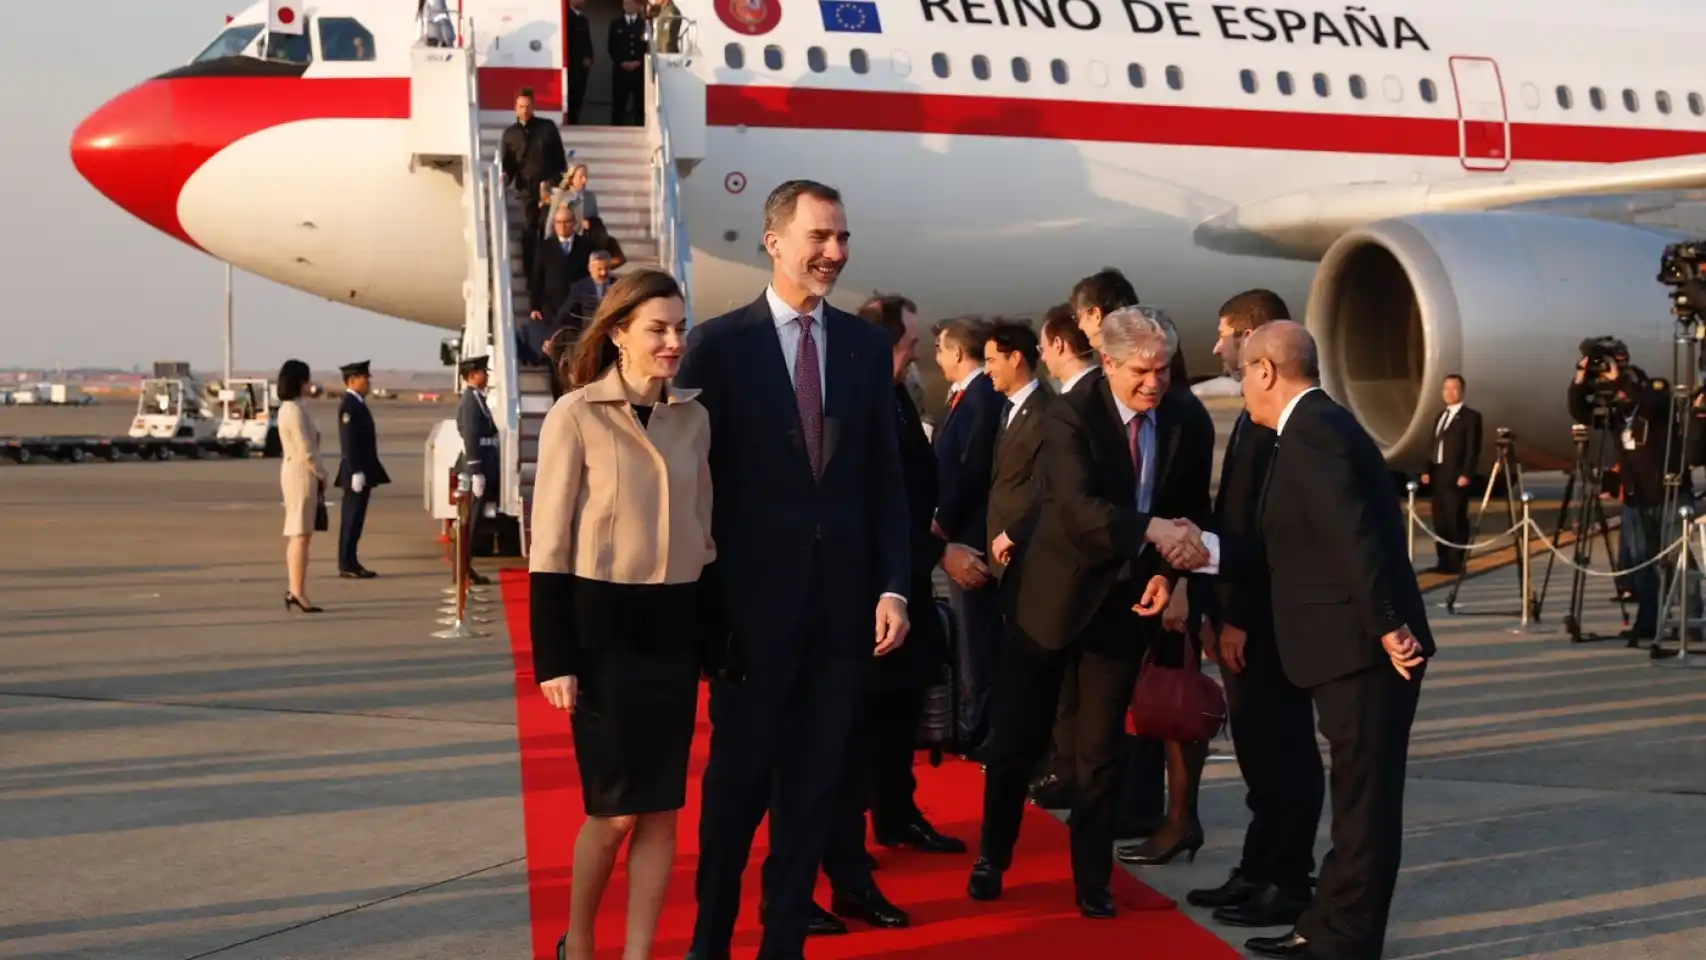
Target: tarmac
x=187 y=770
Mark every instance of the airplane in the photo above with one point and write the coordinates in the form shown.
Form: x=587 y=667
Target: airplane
x=1450 y=187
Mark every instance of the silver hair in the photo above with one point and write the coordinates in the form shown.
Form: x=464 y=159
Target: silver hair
x=1144 y=332
x=597 y=255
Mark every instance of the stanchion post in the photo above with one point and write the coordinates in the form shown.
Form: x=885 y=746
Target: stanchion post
x=1523 y=554
x=1410 y=528
x=458 y=628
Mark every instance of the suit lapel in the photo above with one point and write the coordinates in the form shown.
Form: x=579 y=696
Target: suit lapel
x=1166 y=446
x=841 y=368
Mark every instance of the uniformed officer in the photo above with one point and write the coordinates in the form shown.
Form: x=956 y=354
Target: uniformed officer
x=479 y=462
x=360 y=471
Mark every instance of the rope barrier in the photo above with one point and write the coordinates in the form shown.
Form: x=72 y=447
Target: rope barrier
x=1546 y=542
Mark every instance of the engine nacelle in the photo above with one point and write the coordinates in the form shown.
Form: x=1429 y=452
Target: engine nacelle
x=1504 y=299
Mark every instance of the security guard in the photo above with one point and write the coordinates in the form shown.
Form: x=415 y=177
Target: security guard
x=360 y=471
x=479 y=462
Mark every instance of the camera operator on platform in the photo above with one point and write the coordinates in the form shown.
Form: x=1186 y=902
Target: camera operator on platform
x=1610 y=393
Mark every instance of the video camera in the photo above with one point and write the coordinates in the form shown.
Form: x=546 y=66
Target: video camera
x=1679 y=269
x=1603 y=353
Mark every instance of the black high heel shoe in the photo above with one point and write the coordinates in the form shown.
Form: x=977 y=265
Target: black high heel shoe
x=291 y=601
x=1139 y=856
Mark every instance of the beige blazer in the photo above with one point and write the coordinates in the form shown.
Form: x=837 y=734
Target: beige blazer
x=618 y=503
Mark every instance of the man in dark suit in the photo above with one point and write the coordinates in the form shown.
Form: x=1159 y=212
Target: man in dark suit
x=811 y=529
x=1350 y=625
x=1098 y=571
x=1015 y=485
x=587 y=293
x=479 y=460
x=360 y=470
x=579 y=57
x=558 y=265
x=1272 y=719
x=965 y=446
x=627 y=47
x=1456 y=455
x=532 y=157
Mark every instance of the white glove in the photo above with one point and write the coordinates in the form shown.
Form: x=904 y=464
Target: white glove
x=479 y=485
x=358 y=482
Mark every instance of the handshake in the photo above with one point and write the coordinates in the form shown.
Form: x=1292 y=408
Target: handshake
x=1180 y=542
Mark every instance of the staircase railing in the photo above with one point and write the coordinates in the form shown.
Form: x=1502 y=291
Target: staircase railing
x=503 y=395
x=675 y=250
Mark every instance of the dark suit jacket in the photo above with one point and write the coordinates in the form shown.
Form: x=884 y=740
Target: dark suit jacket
x=582 y=302
x=1243 y=600
x=965 y=450
x=552 y=279
x=1335 y=549
x=925 y=650
x=532 y=154
x=358 y=443
x=1462 y=440
x=1090 y=526
x=770 y=513
x=580 y=41
x=626 y=43
x=1015 y=496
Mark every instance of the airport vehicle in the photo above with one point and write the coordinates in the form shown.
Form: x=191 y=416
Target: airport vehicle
x=247 y=415
x=1451 y=186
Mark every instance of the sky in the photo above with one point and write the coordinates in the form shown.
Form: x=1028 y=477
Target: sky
x=82 y=283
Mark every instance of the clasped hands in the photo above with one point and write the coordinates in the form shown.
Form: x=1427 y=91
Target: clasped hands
x=1180 y=542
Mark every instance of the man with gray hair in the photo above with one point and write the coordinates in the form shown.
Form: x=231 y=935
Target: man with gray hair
x=1350 y=626
x=1125 y=455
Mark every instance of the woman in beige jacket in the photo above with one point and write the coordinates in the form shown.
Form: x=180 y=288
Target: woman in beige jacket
x=621 y=538
x=301 y=478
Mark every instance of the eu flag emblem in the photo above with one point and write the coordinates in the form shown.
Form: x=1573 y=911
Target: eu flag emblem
x=850 y=16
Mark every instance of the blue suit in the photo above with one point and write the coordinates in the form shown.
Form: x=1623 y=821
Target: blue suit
x=965 y=463
x=358 y=444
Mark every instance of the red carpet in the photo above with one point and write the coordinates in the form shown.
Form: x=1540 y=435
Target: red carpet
x=1035 y=916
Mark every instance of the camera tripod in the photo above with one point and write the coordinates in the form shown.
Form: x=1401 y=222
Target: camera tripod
x=1504 y=465
x=1584 y=482
x=1678 y=509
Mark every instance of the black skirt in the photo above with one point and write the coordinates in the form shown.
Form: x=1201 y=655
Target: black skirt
x=638 y=700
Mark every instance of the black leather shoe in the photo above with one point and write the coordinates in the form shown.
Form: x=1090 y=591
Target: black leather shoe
x=822 y=923
x=359 y=573
x=869 y=906
x=921 y=836
x=1096 y=903
x=1236 y=889
x=475 y=578
x=1272 y=907
x=985 y=882
x=1292 y=944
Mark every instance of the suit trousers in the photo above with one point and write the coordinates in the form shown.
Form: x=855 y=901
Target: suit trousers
x=577 y=94
x=977 y=656
x=1451 y=520
x=352 y=517
x=1366 y=718
x=1143 y=767
x=778 y=742
x=1273 y=735
x=533 y=215
x=627 y=96
x=1105 y=659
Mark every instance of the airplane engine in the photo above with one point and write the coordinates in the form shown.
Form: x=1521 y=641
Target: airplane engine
x=1504 y=299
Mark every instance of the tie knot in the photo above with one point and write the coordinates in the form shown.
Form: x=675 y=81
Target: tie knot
x=805 y=322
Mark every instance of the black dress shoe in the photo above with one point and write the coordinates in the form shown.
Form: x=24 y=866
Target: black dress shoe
x=822 y=923
x=359 y=573
x=1236 y=889
x=921 y=836
x=985 y=882
x=868 y=906
x=1272 y=907
x=1291 y=944
x=1096 y=903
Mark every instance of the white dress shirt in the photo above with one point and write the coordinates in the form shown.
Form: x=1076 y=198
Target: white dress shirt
x=1445 y=420
x=1072 y=381
x=789 y=333
x=1210 y=541
x=1018 y=399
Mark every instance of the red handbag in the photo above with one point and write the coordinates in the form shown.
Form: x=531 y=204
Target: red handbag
x=1174 y=705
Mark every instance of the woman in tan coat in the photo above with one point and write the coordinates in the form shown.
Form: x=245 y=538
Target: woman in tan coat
x=621 y=538
x=301 y=478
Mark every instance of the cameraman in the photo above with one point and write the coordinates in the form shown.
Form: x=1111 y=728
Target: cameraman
x=1637 y=411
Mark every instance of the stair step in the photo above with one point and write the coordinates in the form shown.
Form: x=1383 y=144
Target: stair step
x=531 y=424
x=529 y=451
x=536 y=403
x=528 y=472
x=535 y=382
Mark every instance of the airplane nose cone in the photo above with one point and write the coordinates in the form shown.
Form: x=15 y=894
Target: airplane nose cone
x=129 y=150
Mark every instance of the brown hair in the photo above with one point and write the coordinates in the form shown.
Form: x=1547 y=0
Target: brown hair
x=1060 y=324
x=888 y=311
x=779 y=206
x=1253 y=308
x=595 y=351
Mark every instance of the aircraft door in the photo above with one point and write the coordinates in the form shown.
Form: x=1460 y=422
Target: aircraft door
x=1483 y=127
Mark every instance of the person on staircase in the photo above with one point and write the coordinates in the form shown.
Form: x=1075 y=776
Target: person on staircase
x=586 y=295
x=627 y=47
x=580 y=57
x=558 y=264
x=360 y=470
x=533 y=159
x=479 y=460
x=598 y=238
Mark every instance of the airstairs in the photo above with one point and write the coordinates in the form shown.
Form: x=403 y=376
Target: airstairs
x=633 y=172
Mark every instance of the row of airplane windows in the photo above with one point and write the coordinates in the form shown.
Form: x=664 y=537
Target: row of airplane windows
x=734 y=56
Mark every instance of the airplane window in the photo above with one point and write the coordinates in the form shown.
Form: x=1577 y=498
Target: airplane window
x=901 y=62
x=734 y=57
x=1565 y=100
x=288 y=48
x=1631 y=101
x=1284 y=82
x=344 y=39
x=1696 y=104
x=1359 y=89
x=1661 y=100
x=1429 y=94
x=1058 y=69
x=859 y=61
x=1098 y=73
x=1596 y=96
x=1322 y=88
x=939 y=63
x=1247 y=80
x=232 y=42
x=980 y=67
x=773 y=57
x=1175 y=78
x=816 y=59
x=1021 y=70
x=1531 y=96
x=1393 y=89
x=1134 y=74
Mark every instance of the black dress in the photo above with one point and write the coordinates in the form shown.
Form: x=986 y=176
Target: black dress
x=637 y=652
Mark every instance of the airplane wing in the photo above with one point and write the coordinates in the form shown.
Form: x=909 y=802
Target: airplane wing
x=1301 y=226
